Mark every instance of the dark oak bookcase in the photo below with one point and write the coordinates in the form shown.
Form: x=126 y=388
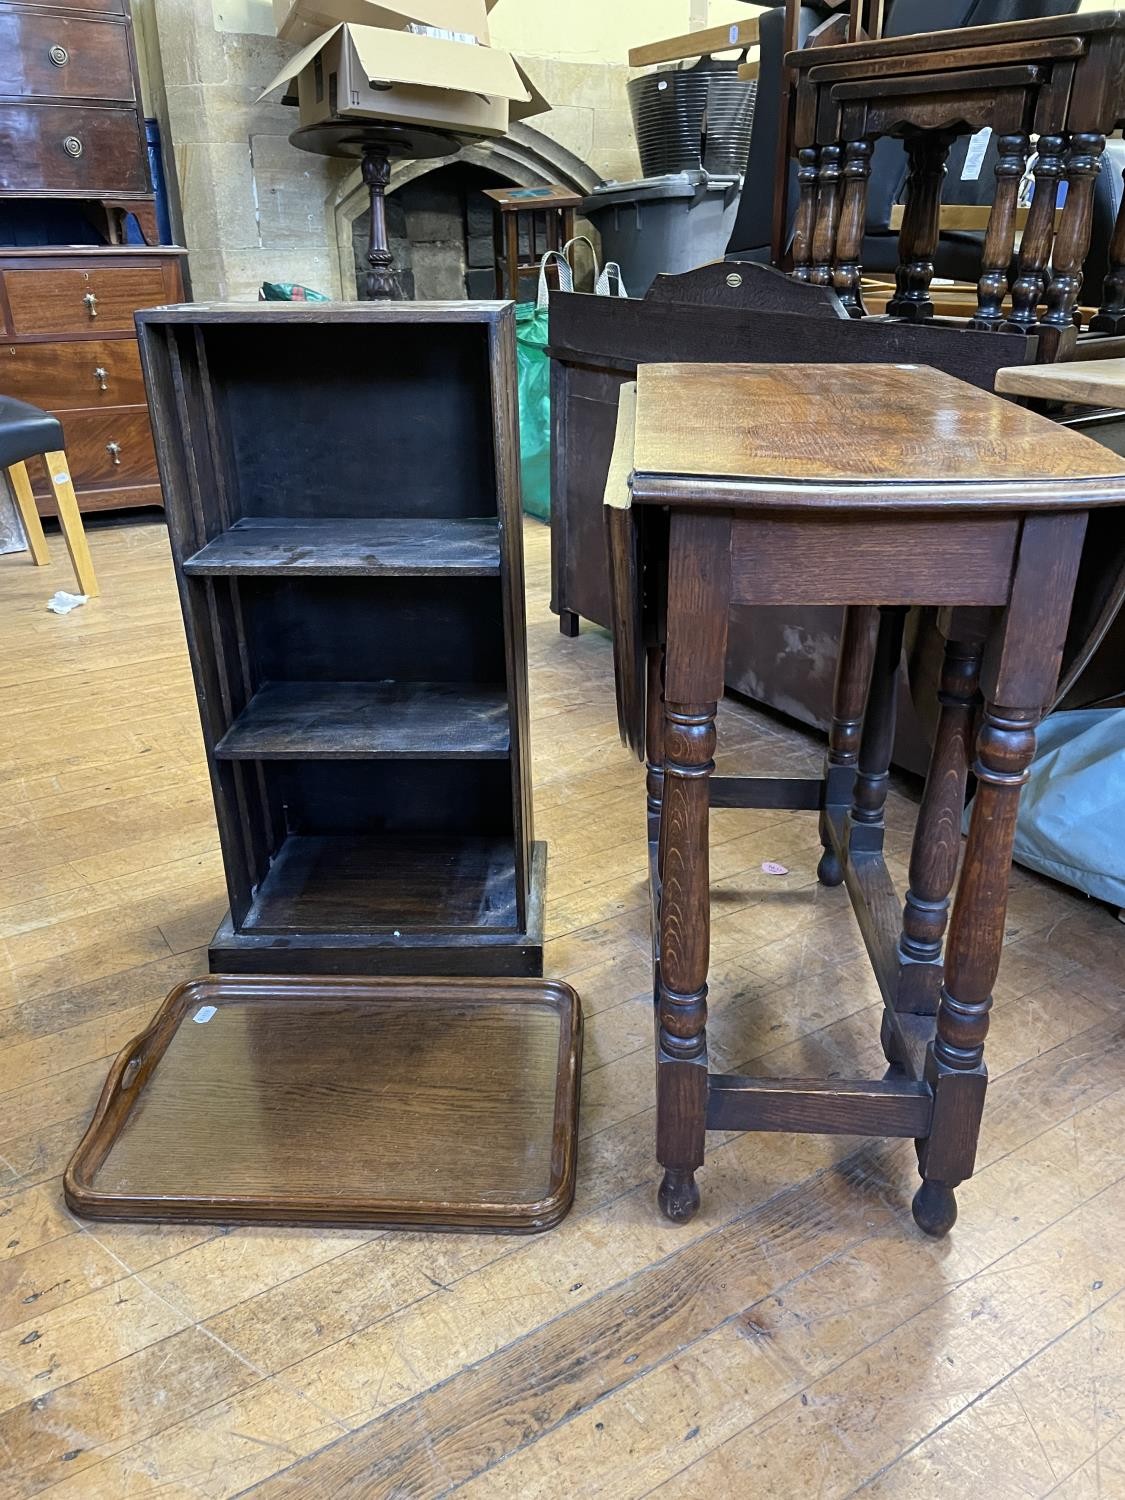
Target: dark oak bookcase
x=342 y=493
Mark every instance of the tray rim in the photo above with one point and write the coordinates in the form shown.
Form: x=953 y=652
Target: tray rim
x=144 y=1052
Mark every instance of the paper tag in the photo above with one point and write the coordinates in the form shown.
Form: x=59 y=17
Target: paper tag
x=203 y=1015
x=974 y=156
x=63 y=478
x=733 y=34
x=419 y=29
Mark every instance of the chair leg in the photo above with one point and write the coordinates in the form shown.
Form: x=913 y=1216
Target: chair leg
x=1072 y=239
x=1000 y=240
x=827 y=215
x=808 y=179
x=1038 y=237
x=848 y=272
x=921 y=227
x=71 y=522
x=25 y=504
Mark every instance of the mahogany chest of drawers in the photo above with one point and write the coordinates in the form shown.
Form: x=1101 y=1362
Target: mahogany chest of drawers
x=69 y=345
x=71 y=122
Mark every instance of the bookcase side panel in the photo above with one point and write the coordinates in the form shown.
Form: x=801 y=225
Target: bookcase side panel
x=506 y=448
x=174 y=387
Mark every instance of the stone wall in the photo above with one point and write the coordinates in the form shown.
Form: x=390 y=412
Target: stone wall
x=253 y=208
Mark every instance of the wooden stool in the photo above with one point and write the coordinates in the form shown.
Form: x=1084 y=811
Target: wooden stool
x=1061 y=78
x=544 y=215
x=875 y=487
x=26 y=432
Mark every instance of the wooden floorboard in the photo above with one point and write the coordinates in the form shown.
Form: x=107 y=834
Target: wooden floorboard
x=798 y=1338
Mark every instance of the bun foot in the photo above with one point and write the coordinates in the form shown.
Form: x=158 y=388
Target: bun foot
x=678 y=1196
x=934 y=1208
x=830 y=871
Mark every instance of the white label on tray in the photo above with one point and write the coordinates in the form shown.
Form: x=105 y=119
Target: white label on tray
x=203 y=1015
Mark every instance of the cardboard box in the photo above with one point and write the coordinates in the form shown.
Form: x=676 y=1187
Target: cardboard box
x=305 y=20
x=368 y=73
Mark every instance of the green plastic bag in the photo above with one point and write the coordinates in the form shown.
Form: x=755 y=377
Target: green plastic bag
x=288 y=291
x=534 y=373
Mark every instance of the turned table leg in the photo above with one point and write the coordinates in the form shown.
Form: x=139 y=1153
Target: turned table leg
x=937 y=834
x=698 y=588
x=874 y=767
x=1035 y=247
x=918 y=238
x=654 y=738
x=654 y=788
x=853 y=217
x=1110 y=316
x=1072 y=241
x=955 y=1062
x=381 y=280
x=1021 y=666
x=808 y=176
x=827 y=215
x=853 y=677
x=999 y=242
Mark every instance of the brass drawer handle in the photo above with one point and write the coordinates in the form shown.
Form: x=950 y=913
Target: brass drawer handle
x=59 y=56
x=114 y=449
x=100 y=376
x=72 y=146
x=91 y=301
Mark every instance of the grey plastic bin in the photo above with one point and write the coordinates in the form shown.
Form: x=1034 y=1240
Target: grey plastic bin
x=672 y=223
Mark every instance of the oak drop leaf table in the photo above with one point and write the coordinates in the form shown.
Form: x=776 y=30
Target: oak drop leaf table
x=875 y=487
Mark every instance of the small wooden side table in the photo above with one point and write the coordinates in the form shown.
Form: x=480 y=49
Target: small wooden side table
x=544 y=214
x=875 y=487
x=1058 y=78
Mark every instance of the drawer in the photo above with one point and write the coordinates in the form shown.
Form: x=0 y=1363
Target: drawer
x=71 y=149
x=64 y=57
x=71 y=301
x=88 y=435
x=61 y=376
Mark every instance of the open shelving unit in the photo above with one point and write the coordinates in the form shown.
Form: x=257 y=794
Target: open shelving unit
x=341 y=486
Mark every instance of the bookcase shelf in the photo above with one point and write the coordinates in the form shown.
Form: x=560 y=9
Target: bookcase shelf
x=266 y=547
x=373 y=884
x=341 y=488
x=369 y=720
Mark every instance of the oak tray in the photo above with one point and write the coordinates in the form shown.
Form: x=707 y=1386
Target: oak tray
x=445 y=1104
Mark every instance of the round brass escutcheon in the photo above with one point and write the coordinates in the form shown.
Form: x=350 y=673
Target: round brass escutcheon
x=72 y=146
x=734 y=279
x=59 y=56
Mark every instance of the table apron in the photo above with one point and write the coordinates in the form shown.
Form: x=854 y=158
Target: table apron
x=855 y=559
